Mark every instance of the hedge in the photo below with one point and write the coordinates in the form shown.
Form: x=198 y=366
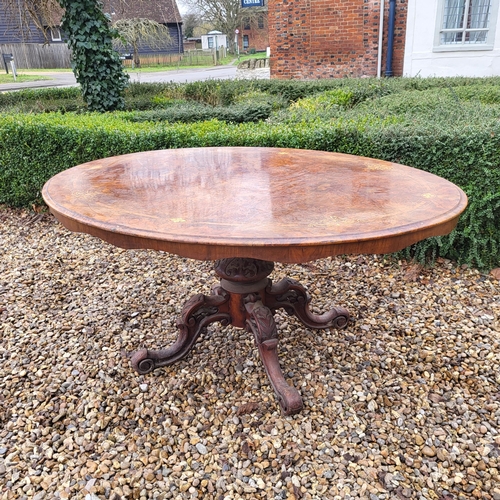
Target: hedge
x=452 y=131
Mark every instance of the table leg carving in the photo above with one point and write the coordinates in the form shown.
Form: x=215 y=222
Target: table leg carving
x=293 y=297
x=245 y=297
x=261 y=323
x=198 y=312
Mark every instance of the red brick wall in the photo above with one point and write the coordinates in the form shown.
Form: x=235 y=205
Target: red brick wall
x=258 y=38
x=331 y=38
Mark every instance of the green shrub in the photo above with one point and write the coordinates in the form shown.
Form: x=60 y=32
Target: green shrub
x=322 y=106
x=214 y=92
x=97 y=66
x=449 y=127
x=49 y=94
x=326 y=99
x=485 y=94
x=42 y=100
x=161 y=101
x=257 y=97
x=279 y=92
x=182 y=111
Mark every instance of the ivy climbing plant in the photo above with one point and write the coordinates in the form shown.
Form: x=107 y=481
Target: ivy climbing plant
x=96 y=65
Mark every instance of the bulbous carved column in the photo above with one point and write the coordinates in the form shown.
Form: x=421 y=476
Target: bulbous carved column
x=243 y=275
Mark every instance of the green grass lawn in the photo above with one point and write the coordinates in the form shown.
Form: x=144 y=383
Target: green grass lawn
x=45 y=71
x=21 y=77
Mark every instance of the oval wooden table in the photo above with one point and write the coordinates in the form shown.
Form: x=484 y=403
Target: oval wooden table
x=246 y=208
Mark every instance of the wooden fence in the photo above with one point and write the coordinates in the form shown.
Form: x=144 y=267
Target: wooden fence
x=38 y=56
x=197 y=57
x=35 y=55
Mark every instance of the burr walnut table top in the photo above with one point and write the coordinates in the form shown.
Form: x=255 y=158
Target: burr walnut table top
x=284 y=205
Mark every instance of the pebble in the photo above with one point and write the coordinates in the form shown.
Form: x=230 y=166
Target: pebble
x=428 y=451
x=404 y=403
x=202 y=449
x=419 y=440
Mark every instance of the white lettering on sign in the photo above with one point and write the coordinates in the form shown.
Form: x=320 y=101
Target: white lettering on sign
x=252 y=2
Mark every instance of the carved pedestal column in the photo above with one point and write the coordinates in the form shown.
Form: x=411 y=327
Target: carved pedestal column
x=245 y=298
x=246 y=281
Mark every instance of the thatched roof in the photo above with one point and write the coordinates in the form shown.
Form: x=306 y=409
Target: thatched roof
x=161 y=11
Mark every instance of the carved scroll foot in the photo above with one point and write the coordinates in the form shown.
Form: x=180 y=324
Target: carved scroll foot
x=198 y=312
x=293 y=297
x=261 y=323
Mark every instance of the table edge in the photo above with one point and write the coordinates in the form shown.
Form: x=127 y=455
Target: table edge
x=294 y=250
x=276 y=252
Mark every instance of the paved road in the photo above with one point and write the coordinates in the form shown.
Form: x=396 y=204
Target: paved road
x=180 y=76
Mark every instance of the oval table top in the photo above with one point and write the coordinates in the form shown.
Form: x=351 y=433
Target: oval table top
x=284 y=205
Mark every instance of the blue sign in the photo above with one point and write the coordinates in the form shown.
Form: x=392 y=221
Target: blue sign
x=252 y=3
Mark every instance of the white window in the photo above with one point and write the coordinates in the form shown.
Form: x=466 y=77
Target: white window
x=466 y=24
x=55 y=34
x=210 y=42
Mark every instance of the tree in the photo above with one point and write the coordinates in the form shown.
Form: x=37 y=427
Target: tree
x=190 y=22
x=135 y=32
x=223 y=15
x=96 y=65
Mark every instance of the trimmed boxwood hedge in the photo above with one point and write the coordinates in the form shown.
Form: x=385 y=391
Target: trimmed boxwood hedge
x=449 y=127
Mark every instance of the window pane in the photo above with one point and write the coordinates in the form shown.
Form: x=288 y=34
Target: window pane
x=455 y=37
x=475 y=37
x=464 y=18
x=454 y=11
x=479 y=14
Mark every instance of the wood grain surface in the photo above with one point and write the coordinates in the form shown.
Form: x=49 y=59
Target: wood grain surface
x=274 y=204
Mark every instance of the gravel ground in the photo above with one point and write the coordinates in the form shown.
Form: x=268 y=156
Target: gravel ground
x=257 y=73
x=402 y=404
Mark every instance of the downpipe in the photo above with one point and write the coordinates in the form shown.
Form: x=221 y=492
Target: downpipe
x=390 y=37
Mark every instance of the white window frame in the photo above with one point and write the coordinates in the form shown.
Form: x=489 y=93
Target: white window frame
x=464 y=46
x=55 y=34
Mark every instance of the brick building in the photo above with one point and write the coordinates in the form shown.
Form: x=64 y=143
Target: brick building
x=254 y=31
x=332 y=38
